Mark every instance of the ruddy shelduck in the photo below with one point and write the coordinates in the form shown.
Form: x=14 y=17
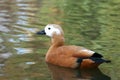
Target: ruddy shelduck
x=70 y=56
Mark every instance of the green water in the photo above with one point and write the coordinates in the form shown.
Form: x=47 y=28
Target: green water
x=93 y=24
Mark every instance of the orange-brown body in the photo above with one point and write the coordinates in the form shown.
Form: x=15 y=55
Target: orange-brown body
x=66 y=56
x=69 y=55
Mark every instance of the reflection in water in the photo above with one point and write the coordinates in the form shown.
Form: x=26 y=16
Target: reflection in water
x=60 y=73
x=16 y=30
x=1 y=69
x=23 y=50
x=92 y=23
x=15 y=15
x=5 y=55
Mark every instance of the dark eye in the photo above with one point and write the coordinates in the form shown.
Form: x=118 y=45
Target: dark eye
x=49 y=28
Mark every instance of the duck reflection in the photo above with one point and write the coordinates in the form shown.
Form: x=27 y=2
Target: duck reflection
x=60 y=73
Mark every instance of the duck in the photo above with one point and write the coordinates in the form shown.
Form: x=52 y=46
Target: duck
x=69 y=56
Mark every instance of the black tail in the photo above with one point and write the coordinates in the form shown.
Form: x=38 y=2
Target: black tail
x=97 y=55
x=96 y=60
x=108 y=61
x=99 y=60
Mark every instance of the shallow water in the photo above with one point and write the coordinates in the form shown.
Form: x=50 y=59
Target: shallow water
x=93 y=24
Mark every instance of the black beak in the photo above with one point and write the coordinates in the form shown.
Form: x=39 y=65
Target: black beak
x=41 y=32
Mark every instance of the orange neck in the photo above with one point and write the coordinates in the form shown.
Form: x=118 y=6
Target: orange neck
x=58 y=40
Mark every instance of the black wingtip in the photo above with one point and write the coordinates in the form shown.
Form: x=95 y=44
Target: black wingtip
x=100 y=60
x=79 y=60
x=108 y=61
x=97 y=55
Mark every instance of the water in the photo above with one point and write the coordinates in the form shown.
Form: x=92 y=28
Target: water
x=94 y=24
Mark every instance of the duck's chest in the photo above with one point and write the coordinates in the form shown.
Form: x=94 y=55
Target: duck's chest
x=51 y=55
x=55 y=55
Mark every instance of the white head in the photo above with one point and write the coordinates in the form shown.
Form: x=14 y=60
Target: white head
x=55 y=32
x=51 y=30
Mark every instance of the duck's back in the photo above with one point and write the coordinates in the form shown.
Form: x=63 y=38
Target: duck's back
x=68 y=56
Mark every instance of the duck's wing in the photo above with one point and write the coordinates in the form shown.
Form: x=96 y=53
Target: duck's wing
x=82 y=52
x=91 y=62
x=83 y=57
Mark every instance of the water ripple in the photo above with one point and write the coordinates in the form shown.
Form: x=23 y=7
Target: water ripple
x=5 y=55
x=21 y=51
